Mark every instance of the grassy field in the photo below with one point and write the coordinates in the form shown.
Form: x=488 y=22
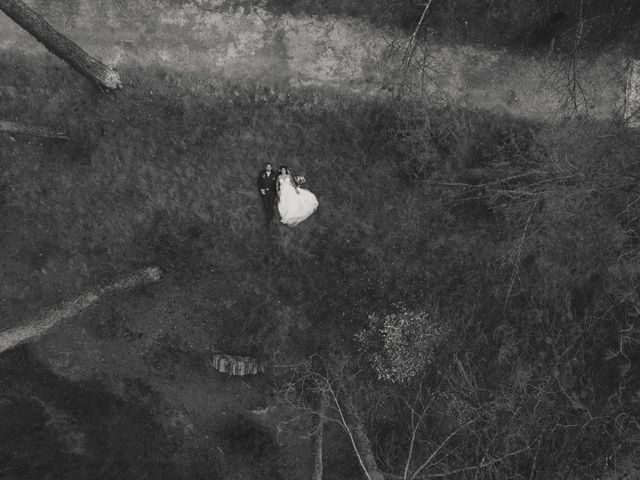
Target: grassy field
x=165 y=174
x=414 y=206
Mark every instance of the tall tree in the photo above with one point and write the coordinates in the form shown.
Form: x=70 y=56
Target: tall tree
x=103 y=75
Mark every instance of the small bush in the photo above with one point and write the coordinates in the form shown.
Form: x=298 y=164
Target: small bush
x=402 y=344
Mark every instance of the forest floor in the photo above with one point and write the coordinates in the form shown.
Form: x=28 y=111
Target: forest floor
x=77 y=214
x=163 y=173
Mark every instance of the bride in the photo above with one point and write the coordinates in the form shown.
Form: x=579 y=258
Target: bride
x=295 y=204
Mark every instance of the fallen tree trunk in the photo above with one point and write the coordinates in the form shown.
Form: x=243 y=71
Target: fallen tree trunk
x=31 y=130
x=319 y=434
x=59 y=45
x=353 y=426
x=361 y=441
x=12 y=337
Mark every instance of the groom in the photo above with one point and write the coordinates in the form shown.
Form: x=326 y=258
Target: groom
x=267 y=182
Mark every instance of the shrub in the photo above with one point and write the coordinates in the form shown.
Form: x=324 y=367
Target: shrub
x=402 y=344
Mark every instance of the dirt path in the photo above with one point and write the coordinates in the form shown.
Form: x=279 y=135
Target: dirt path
x=254 y=45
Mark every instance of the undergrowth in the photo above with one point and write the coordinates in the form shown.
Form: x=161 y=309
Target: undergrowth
x=525 y=234
x=54 y=427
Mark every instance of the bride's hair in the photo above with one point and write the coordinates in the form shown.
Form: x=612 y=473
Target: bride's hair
x=286 y=169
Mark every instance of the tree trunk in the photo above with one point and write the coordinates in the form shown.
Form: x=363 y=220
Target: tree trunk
x=12 y=127
x=60 y=45
x=351 y=422
x=14 y=336
x=319 y=434
x=361 y=440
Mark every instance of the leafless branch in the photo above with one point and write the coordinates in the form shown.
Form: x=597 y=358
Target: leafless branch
x=494 y=182
x=414 y=430
x=440 y=447
x=409 y=55
x=482 y=465
x=346 y=427
x=516 y=265
x=411 y=48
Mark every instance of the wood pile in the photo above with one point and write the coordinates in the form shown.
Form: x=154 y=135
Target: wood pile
x=237 y=365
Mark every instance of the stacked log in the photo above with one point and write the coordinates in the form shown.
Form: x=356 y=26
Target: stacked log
x=237 y=365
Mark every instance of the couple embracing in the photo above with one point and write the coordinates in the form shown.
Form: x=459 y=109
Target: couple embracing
x=295 y=203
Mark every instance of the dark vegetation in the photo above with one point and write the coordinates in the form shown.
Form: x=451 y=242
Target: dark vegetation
x=520 y=240
x=530 y=25
x=52 y=427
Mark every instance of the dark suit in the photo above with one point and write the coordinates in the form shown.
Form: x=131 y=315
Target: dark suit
x=268 y=183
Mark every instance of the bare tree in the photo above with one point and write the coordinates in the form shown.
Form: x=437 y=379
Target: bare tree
x=575 y=97
x=424 y=453
x=413 y=57
x=312 y=385
x=99 y=73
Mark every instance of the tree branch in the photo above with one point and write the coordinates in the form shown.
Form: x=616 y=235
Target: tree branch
x=516 y=265
x=482 y=465
x=440 y=447
x=410 y=51
x=487 y=184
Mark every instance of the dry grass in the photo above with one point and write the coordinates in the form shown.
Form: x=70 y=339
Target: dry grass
x=166 y=174
x=414 y=206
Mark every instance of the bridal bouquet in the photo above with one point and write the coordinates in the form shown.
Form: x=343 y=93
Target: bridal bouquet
x=299 y=179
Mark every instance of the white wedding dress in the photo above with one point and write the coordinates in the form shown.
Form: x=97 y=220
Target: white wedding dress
x=294 y=207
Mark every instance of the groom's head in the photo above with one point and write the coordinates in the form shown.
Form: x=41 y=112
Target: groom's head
x=267 y=167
